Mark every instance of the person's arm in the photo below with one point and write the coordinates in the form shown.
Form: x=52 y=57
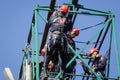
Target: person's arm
x=52 y=17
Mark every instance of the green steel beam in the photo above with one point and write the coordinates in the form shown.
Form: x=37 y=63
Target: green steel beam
x=116 y=46
x=45 y=9
x=86 y=64
x=36 y=43
x=44 y=19
x=91 y=13
x=77 y=53
x=58 y=75
x=81 y=12
x=33 y=70
x=82 y=7
x=97 y=13
x=92 y=38
x=21 y=68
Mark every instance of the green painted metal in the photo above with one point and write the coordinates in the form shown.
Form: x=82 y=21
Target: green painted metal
x=24 y=59
x=45 y=9
x=58 y=75
x=98 y=77
x=44 y=19
x=77 y=53
x=116 y=46
x=84 y=8
x=91 y=13
x=33 y=70
x=24 y=62
x=36 y=43
x=36 y=47
x=82 y=48
x=20 y=77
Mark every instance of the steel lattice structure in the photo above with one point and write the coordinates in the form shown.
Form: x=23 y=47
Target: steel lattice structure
x=33 y=48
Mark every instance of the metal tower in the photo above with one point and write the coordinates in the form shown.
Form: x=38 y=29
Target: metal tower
x=31 y=67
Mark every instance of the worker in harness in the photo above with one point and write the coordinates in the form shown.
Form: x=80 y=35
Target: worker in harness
x=59 y=20
x=70 y=37
x=66 y=56
x=99 y=63
x=72 y=34
x=58 y=28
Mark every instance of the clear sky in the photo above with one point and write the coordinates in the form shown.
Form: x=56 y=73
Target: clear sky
x=15 y=21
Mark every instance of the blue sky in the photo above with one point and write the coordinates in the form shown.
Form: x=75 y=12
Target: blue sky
x=15 y=20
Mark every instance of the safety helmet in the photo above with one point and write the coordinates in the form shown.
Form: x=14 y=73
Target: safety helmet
x=92 y=50
x=76 y=31
x=43 y=51
x=64 y=8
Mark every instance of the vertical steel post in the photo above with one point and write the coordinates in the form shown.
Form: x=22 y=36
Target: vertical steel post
x=116 y=46
x=36 y=43
x=32 y=51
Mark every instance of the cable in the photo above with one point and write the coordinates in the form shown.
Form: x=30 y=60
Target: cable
x=87 y=42
x=91 y=26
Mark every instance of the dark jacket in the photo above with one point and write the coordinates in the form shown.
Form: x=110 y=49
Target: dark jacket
x=72 y=43
x=54 y=22
x=98 y=64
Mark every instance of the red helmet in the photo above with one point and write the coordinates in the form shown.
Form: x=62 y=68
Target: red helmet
x=76 y=31
x=43 y=51
x=93 y=50
x=64 y=8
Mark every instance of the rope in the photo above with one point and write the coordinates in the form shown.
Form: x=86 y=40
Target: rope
x=91 y=26
x=87 y=42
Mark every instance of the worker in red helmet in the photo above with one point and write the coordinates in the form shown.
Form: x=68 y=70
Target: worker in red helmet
x=70 y=37
x=99 y=62
x=64 y=8
x=93 y=52
x=59 y=20
x=59 y=25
